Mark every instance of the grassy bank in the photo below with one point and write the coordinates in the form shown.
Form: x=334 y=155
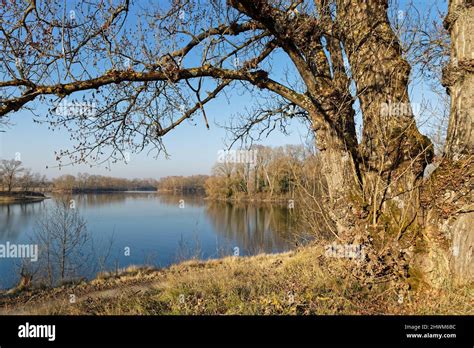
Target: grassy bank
x=297 y=282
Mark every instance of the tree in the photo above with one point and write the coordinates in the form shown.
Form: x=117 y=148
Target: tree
x=40 y=181
x=27 y=180
x=9 y=170
x=62 y=236
x=65 y=182
x=458 y=77
x=454 y=178
x=142 y=84
x=270 y=174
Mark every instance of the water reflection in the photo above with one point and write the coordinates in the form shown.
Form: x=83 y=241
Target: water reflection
x=105 y=198
x=158 y=224
x=109 y=198
x=177 y=200
x=256 y=228
x=14 y=218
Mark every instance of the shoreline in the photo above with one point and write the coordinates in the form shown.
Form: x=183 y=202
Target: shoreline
x=22 y=197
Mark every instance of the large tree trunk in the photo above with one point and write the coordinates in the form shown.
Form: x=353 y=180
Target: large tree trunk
x=448 y=197
x=341 y=178
x=458 y=77
x=394 y=153
x=460 y=140
x=336 y=139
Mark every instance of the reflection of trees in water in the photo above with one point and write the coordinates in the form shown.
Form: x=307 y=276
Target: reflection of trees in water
x=99 y=199
x=191 y=200
x=107 y=198
x=254 y=228
x=14 y=217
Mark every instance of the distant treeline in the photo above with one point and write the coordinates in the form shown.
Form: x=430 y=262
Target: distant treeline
x=96 y=183
x=15 y=179
x=269 y=174
x=261 y=173
x=183 y=184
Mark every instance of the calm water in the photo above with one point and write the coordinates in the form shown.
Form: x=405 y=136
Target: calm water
x=156 y=229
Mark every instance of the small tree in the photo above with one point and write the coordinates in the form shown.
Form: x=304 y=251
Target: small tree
x=9 y=170
x=62 y=237
x=27 y=180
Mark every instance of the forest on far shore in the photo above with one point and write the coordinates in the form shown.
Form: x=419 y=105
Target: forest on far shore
x=270 y=175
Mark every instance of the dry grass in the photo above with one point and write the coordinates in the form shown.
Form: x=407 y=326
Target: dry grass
x=298 y=282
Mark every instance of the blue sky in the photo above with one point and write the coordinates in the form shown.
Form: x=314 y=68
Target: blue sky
x=193 y=149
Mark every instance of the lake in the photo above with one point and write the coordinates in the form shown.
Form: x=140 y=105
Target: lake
x=135 y=228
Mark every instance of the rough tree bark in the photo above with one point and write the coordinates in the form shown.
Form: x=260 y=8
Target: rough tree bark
x=393 y=152
x=448 y=199
x=460 y=138
x=458 y=77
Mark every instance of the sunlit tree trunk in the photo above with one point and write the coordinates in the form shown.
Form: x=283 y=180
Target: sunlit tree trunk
x=459 y=78
x=393 y=152
x=454 y=178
